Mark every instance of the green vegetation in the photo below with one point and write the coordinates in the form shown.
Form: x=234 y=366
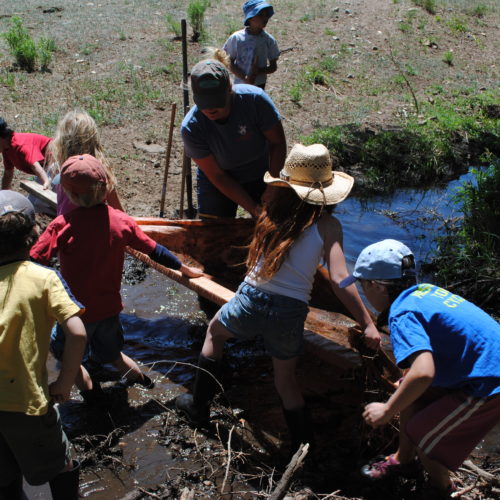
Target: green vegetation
x=25 y=50
x=196 y=15
x=174 y=25
x=429 y=5
x=420 y=151
x=467 y=259
x=448 y=57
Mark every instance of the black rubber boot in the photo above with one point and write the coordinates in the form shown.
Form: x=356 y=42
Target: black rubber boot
x=13 y=491
x=95 y=396
x=299 y=426
x=65 y=485
x=196 y=407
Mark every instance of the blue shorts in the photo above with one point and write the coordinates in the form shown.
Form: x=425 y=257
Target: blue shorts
x=279 y=319
x=212 y=203
x=104 y=340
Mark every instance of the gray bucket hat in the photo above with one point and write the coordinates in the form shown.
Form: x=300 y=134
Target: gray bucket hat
x=12 y=201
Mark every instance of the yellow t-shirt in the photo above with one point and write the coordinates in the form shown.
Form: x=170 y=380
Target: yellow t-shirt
x=32 y=298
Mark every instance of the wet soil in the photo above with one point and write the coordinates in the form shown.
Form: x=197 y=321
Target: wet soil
x=136 y=446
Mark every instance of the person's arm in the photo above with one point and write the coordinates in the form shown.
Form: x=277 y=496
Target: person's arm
x=236 y=70
x=166 y=258
x=270 y=68
x=415 y=383
x=8 y=176
x=74 y=347
x=226 y=184
x=331 y=231
x=41 y=174
x=277 y=148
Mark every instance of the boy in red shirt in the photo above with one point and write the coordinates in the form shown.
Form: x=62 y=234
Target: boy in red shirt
x=26 y=152
x=90 y=242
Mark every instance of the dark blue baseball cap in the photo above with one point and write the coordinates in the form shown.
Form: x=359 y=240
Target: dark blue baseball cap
x=252 y=7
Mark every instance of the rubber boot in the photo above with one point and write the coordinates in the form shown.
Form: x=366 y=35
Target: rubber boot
x=196 y=407
x=94 y=396
x=65 y=485
x=13 y=491
x=299 y=426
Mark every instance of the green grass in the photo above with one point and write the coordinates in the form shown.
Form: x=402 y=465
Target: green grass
x=418 y=152
x=174 y=25
x=429 y=5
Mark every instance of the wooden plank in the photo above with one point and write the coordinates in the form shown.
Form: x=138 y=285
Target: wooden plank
x=325 y=334
x=45 y=195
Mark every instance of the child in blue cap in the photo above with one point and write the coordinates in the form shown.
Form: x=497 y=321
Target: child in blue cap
x=450 y=396
x=253 y=52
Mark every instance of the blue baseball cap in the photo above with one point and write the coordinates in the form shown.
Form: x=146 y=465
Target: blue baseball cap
x=380 y=261
x=252 y=7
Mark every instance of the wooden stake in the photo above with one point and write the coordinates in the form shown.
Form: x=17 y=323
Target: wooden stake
x=186 y=164
x=167 y=158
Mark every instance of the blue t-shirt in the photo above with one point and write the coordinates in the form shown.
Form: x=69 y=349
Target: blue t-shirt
x=463 y=339
x=238 y=144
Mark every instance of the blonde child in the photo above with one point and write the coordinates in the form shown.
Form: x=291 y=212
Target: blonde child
x=77 y=134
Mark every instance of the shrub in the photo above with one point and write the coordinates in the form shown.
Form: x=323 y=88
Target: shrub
x=448 y=57
x=467 y=260
x=196 y=15
x=24 y=49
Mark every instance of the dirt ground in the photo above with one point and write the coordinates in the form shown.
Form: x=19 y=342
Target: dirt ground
x=119 y=60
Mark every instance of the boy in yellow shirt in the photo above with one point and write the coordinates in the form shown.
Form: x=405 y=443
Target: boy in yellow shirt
x=33 y=297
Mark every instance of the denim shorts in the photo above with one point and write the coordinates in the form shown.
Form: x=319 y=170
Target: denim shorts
x=279 y=319
x=104 y=340
x=34 y=446
x=212 y=203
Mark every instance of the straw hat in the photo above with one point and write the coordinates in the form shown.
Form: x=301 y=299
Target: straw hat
x=308 y=171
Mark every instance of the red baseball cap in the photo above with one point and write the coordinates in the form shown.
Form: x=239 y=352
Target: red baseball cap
x=81 y=174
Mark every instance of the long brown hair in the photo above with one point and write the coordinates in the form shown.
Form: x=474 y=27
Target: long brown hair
x=283 y=219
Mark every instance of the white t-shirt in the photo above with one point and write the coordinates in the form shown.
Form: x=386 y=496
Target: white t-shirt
x=242 y=47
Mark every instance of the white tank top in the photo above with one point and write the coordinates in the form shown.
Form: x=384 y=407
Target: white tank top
x=296 y=275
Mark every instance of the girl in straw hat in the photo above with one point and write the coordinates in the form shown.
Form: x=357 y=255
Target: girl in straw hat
x=293 y=233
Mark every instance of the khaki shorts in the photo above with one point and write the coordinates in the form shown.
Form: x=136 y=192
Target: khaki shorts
x=34 y=446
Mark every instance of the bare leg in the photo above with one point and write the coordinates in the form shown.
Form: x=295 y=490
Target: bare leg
x=439 y=475
x=286 y=383
x=216 y=336
x=406 y=449
x=83 y=380
x=128 y=367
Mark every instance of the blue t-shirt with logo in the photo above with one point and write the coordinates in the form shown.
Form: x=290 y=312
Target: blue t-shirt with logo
x=238 y=144
x=463 y=339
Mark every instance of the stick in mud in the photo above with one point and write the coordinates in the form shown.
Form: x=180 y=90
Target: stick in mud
x=167 y=158
x=294 y=465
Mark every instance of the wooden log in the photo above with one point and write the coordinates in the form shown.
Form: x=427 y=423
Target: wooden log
x=45 y=195
x=325 y=335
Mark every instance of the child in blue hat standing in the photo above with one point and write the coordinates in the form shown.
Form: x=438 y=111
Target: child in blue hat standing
x=253 y=52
